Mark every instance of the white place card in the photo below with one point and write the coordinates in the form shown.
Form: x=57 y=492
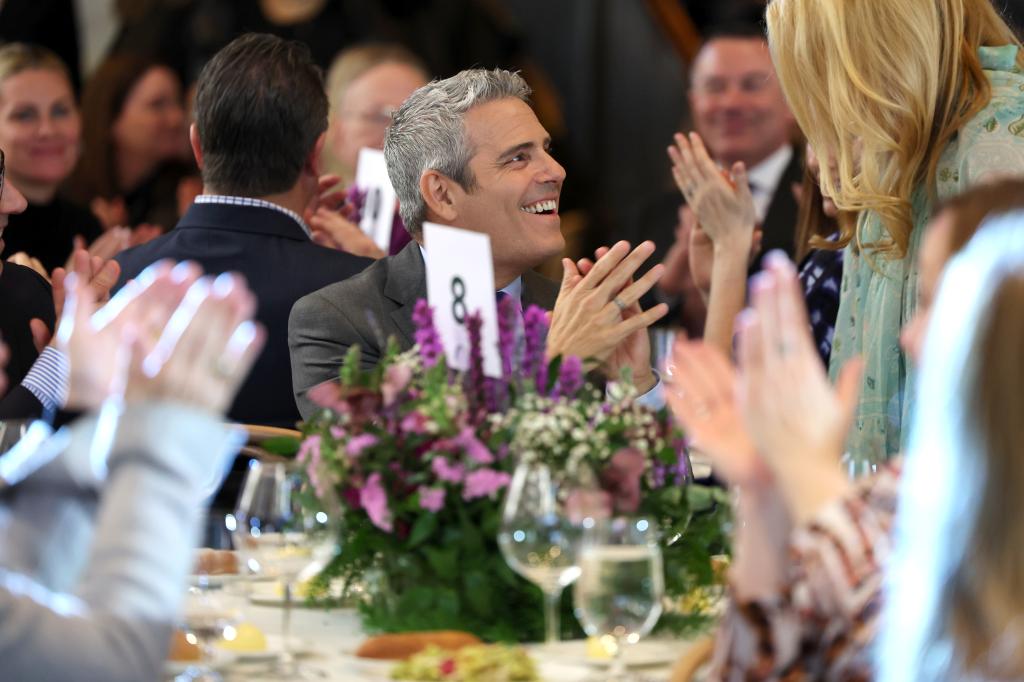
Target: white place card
x=381 y=200
x=460 y=280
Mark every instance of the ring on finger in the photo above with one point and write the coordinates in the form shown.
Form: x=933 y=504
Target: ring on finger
x=620 y=304
x=221 y=369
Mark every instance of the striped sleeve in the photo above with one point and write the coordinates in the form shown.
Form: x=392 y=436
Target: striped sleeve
x=47 y=379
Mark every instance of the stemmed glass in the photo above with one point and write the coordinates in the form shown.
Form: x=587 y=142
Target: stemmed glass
x=279 y=537
x=618 y=596
x=538 y=536
x=205 y=620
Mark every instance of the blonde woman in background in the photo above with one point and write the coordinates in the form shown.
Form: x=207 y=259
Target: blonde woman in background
x=365 y=85
x=913 y=101
x=41 y=135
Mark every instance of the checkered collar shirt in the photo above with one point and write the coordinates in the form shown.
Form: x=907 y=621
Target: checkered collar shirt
x=260 y=203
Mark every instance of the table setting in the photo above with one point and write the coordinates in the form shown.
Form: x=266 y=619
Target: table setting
x=554 y=523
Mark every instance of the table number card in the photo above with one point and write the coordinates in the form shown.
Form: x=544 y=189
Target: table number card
x=460 y=280
x=381 y=200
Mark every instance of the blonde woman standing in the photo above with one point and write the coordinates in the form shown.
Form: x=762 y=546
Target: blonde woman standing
x=914 y=101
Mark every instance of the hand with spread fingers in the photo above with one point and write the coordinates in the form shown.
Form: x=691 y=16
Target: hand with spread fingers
x=721 y=201
x=598 y=317
x=99 y=273
x=206 y=349
x=98 y=340
x=702 y=396
x=333 y=230
x=798 y=422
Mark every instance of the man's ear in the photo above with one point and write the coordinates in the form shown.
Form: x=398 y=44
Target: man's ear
x=197 y=149
x=313 y=162
x=440 y=193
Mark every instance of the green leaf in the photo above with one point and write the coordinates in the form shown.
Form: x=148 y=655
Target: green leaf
x=478 y=592
x=283 y=446
x=443 y=561
x=422 y=529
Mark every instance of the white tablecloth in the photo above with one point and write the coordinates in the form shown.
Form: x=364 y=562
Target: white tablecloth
x=326 y=640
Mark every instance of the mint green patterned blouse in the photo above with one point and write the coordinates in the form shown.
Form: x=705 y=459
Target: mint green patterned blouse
x=879 y=295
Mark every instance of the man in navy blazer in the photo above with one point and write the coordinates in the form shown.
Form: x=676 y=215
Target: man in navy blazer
x=261 y=113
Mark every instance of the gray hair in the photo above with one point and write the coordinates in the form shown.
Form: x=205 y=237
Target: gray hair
x=428 y=134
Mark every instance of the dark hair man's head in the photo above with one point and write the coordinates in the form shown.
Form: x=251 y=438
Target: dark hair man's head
x=260 y=108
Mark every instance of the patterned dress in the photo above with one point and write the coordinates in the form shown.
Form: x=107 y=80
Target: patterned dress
x=825 y=618
x=879 y=295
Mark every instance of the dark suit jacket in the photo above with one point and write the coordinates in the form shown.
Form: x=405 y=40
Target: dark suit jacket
x=280 y=263
x=367 y=310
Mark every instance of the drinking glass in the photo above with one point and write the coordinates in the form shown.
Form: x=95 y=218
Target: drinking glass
x=538 y=537
x=205 y=619
x=618 y=596
x=279 y=537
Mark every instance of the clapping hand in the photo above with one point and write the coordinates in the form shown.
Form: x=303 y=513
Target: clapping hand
x=702 y=395
x=794 y=416
x=722 y=202
x=598 y=317
x=98 y=273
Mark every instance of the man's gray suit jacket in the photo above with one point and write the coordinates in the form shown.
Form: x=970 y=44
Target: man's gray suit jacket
x=367 y=309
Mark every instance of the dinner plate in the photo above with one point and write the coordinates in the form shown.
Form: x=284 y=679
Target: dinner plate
x=643 y=654
x=272 y=594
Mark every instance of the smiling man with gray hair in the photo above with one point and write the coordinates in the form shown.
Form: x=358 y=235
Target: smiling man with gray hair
x=469 y=152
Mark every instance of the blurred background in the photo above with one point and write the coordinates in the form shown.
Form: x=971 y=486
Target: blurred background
x=610 y=76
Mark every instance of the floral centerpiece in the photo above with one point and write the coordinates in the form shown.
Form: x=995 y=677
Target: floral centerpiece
x=418 y=458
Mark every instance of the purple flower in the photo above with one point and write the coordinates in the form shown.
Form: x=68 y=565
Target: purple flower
x=357 y=444
x=355 y=198
x=328 y=395
x=484 y=483
x=427 y=337
x=337 y=433
x=450 y=473
x=431 y=499
x=396 y=378
x=509 y=316
x=375 y=501
x=535 y=327
x=474 y=383
x=570 y=377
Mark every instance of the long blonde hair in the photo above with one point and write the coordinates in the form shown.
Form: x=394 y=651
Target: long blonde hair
x=882 y=86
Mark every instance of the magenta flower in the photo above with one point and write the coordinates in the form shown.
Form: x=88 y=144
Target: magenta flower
x=309 y=449
x=509 y=317
x=396 y=379
x=328 y=395
x=622 y=480
x=357 y=444
x=337 y=433
x=473 y=448
x=414 y=422
x=431 y=499
x=450 y=473
x=427 y=337
x=375 y=501
x=474 y=381
x=484 y=483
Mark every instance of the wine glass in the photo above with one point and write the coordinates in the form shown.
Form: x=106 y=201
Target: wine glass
x=205 y=619
x=279 y=537
x=618 y=596
x=538 y=536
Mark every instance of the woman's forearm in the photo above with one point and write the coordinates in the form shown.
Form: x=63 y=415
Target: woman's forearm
x=727 y=296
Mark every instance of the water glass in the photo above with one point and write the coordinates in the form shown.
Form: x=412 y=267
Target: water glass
x=538 y=537
x=619 y=594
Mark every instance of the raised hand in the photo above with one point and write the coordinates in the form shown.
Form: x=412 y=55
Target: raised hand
x=598 y=311
x=94 y=271
x=796 y=419
x=206 y=348
x=722 y=202
x=702 y=395
x=332 y=230
x=98 y=341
